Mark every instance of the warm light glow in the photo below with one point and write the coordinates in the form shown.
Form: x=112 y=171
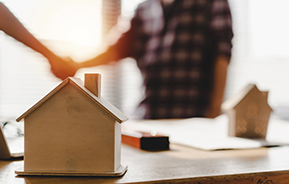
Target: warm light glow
x=75 y=21
x=67 y=27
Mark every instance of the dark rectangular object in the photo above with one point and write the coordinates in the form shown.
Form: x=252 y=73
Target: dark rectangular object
x=146 y=141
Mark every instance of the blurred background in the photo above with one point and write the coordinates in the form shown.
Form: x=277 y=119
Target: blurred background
x=77 y=28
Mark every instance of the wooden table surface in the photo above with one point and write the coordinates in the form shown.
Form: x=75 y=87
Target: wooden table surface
x=180 y=165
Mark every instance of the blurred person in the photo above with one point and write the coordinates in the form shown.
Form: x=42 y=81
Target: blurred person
x=13 y=27
x=183 y=49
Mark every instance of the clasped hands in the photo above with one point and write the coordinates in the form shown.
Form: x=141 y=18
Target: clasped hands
x=63 y=68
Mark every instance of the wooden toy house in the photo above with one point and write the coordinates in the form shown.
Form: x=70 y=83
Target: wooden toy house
x=248 y=113
x=73 y=130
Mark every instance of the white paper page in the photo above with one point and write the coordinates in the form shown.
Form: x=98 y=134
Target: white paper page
x=210 y=134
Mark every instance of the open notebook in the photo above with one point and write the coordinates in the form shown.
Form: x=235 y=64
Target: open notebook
x=11 y=148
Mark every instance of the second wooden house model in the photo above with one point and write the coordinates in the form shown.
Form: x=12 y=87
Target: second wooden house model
x=248 y=113
x=73 y=130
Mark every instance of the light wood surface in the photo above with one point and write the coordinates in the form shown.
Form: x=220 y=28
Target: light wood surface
x=93 y=83
x=78 y=132
x=71 y=130
x=178 y=165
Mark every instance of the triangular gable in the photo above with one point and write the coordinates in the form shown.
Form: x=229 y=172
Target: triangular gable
x=236 y=99
x=111 y=109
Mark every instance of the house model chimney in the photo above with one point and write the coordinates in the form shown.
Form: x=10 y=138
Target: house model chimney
x=92 y=82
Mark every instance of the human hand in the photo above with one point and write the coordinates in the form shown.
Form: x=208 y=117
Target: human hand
x=63 y=68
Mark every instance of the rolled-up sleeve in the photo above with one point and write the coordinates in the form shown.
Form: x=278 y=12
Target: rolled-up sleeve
x=221 y=25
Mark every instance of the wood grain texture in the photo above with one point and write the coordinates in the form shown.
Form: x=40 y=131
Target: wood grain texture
x=73 y=133
x=76 y=82
x=180 y=165
x=92 y=81
x=118 y=172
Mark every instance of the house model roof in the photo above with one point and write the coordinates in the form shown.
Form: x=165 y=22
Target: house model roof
x=235 y=100
x=106 y=105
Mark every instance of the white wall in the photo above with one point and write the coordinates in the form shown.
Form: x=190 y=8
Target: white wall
x=260 y=48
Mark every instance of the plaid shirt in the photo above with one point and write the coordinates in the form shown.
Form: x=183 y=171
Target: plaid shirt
x=175 y=50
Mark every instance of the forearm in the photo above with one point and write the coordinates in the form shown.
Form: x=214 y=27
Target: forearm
x=120 y=46
x=109 y=55
x=101 y=59
x=220 y=78
x=13 y=27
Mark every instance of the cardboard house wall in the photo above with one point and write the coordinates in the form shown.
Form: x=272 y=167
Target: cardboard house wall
x=73 y=130
x=248 y=113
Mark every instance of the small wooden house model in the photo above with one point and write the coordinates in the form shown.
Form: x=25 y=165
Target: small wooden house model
x=248 y=113
x=73 y=130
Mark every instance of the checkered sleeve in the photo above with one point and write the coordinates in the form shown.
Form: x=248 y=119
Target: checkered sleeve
x=221 y=24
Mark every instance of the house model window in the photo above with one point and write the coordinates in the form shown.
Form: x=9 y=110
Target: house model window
x=73 y=130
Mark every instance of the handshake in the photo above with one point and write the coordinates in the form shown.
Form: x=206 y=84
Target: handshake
x=63 y=68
